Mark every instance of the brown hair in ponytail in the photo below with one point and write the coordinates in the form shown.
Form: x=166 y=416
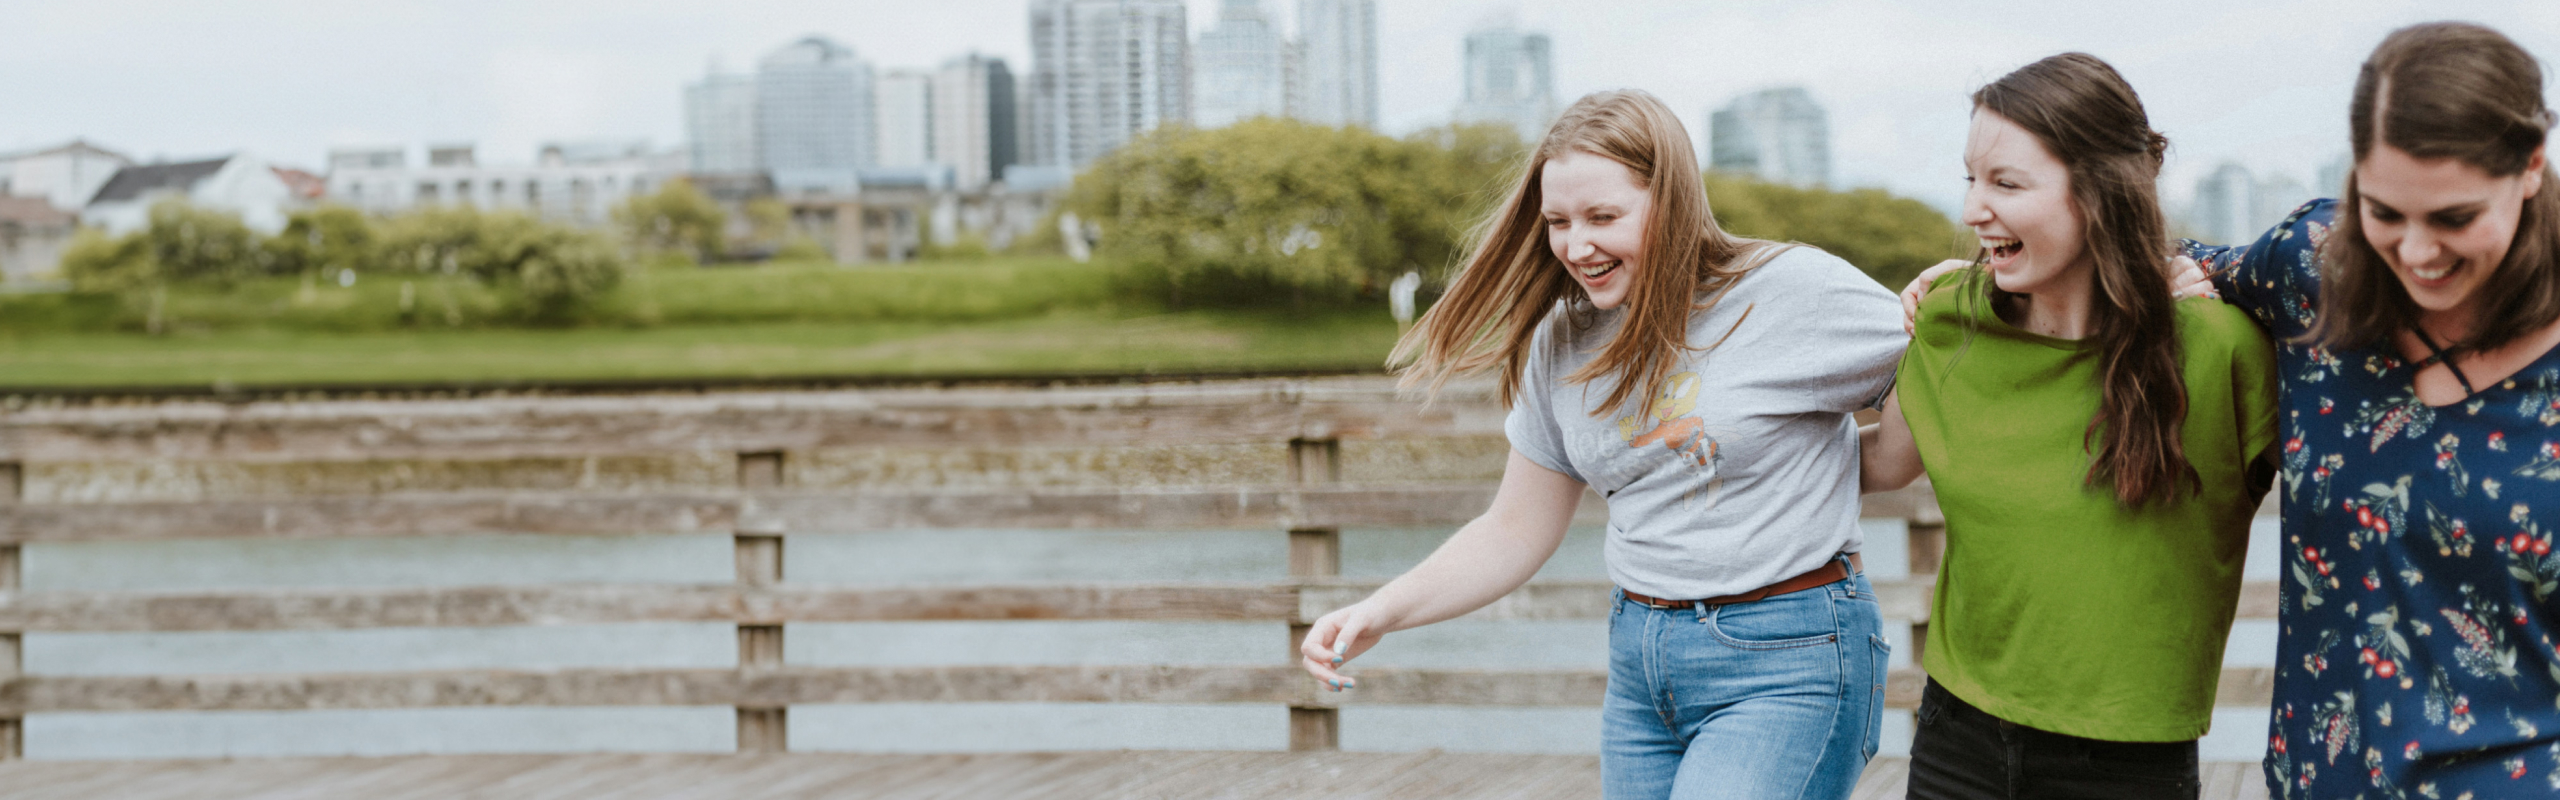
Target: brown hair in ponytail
x=2085 y=114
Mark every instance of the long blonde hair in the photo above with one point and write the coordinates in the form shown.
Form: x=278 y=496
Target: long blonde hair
x=1512 y=278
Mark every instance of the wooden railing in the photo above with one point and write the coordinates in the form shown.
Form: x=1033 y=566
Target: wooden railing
x=1302 y=459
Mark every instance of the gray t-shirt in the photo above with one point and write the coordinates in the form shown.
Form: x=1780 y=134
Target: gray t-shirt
x=1746 y=471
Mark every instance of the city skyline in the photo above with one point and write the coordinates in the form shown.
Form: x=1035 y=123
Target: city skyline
x=305 y=76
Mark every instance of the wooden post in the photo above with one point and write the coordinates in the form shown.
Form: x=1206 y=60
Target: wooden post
x=12 y=643
x=1313 y=553
x=759 y=557
x=1927 y=546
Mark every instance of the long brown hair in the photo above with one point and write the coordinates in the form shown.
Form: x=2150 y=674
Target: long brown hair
x=2445 y=90
x=1512 y=279
x=2088 y=117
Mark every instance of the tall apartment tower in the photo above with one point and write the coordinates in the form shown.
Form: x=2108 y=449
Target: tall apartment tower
x=1338 y=62
x=1241 y=69
x=1103 y=71
x=974 y=122
x=903 y=116
x=813 y=116
x=1778 y=135
x=1510 y=80
x=2225 y=200
x=720 y=124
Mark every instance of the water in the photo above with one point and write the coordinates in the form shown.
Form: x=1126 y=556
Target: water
x=957 y=557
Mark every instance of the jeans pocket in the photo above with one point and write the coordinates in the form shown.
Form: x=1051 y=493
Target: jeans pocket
x=1796 y=619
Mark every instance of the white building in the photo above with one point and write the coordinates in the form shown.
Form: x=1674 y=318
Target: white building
x=720 y=125
x=2226 y=201
x=813 y=116
x=1777 y=135
x=1338 y=62
x=577 y=183
x=1510 y=80
x=975 y=127
x=902 y=113
x=1103 y=71
x=260 y=193
x=65 y=176
x=1242 y=68
x=33 y=233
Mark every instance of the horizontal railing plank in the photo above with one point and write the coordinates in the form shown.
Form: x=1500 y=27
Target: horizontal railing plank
x=555 y=426
x=475 y=606
x=334 y=609
x=2240 y=688
x=1189 y=508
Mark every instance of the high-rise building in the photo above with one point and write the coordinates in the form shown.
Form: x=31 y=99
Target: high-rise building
x=1103 y=71
x=974 y=122
x=1778 y=135
x=2225 y=200
x=1510 y=80
x=813 y=116
x=1241 y=69
x=720 y=124
x=1338 y=62
x=902 y=114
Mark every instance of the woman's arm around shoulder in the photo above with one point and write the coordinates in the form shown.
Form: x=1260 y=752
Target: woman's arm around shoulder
x=2276 y=279
x=1888 y=458
x=1483 y=561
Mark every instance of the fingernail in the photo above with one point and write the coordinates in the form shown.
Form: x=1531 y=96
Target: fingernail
x=1348 y=685
x=1337 y=661
x=1340 y=647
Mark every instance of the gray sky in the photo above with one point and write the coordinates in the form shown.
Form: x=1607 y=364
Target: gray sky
x=2264 y=83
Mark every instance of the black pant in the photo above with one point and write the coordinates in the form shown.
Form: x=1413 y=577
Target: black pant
x=1964 y=753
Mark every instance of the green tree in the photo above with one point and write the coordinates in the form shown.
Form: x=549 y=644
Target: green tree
x=555 y=269
x=1278 y=208
x=1890 y=238
x=677 y=218
x=324 y=240
x=99 y=263
x=192 y=243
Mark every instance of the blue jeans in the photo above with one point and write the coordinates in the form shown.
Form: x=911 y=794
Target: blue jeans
x=1780 y=698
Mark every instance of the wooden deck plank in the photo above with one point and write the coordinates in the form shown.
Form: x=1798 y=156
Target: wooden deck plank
x=1136 y=774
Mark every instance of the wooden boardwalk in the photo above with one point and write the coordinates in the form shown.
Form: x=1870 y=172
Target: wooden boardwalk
x=1019 y=776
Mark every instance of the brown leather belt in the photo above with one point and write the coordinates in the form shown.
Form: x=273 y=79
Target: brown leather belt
x=1829 y=573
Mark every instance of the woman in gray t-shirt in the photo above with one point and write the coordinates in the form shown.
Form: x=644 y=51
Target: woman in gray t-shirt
x=1703 y=384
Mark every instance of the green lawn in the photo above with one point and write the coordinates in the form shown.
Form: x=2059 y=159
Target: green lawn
x=1058 y=343
x=989 y=317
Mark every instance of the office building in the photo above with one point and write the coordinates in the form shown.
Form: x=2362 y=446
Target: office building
x=2225 y=206
x=573 y=182
x=1103 y=72
x=1241 y=68
x=1510 y=80
x=813 y=116
x=720 y=125
x=902 y=114
x=974 y=123
x=1337 y=73
x=1777 y=135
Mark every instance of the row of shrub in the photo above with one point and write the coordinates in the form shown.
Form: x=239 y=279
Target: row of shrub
x=1280 y=211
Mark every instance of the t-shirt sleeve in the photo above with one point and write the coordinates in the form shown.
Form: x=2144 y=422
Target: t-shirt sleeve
x=1842 y=335
x=2253 y=391
x=1531 y=426
x=2276 y=278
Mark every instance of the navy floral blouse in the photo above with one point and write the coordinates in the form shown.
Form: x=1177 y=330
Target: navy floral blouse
x=2417 y=651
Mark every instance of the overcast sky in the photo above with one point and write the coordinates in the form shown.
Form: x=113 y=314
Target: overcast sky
x=2263 y=83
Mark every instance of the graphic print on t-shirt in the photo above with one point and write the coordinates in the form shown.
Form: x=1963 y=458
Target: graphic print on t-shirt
x=1676 y=427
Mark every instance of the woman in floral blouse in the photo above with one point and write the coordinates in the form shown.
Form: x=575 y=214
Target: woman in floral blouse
x=2421 y=424
x=2416 y=321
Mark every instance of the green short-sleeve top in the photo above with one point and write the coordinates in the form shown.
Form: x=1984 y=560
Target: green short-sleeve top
x=2058 y=607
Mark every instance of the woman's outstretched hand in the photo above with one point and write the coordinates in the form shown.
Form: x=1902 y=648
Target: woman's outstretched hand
x=1337 y=638
x=1919 y=287
x=2186 y=280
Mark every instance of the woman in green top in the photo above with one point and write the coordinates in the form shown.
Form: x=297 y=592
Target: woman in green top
x=2098 y=448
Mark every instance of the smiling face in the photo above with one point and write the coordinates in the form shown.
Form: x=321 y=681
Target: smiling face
x=2018 y=202
x=1595 y=212
x=2442 y=225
